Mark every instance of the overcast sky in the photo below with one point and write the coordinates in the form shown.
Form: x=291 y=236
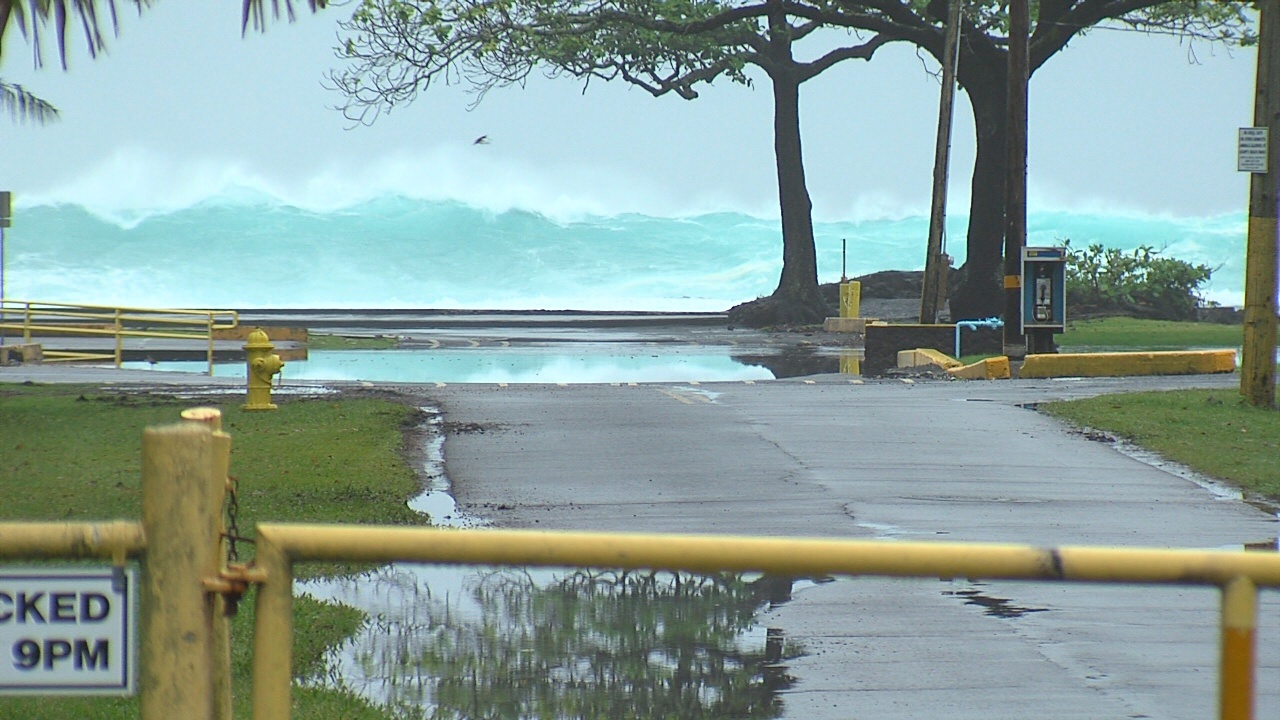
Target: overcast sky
x=181 y=105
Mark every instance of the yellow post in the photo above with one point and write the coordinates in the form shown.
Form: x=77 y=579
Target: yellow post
x=850 y=298
x=272 y=632
x=175 y=680
x=119 y=340
x=1239 y=639
x=850 y=362
x=220 y=642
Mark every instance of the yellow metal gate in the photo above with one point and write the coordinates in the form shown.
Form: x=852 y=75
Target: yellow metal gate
x=184 y=648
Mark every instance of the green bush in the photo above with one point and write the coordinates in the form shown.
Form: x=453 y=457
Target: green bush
x=1140 y=283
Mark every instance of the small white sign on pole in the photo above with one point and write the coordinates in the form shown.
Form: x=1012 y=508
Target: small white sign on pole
x=1251 y=150
x=67 y=631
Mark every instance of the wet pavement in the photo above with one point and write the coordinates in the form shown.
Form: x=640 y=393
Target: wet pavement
x=836 y=456
x=829 y=456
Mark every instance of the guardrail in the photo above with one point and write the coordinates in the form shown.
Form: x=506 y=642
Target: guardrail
x=184 y=658
x=47 y=319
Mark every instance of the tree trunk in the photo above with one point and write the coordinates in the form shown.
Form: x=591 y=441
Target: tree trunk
x=980 y=291
x=799 y=279
x=796 y=301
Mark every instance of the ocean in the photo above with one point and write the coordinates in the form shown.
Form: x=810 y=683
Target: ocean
x=240 y=248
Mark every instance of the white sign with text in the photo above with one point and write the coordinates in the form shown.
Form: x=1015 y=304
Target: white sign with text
x=67 y=631
x=1251 y=150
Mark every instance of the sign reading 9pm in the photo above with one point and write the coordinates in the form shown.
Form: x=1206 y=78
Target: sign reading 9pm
x=66 y=631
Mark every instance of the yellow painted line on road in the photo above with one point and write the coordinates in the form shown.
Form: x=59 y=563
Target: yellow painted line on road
x=674 y=396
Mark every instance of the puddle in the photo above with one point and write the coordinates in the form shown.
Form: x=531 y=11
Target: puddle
x=436 y=499
x=465 y=641
x=993 y=606
x=581 y=362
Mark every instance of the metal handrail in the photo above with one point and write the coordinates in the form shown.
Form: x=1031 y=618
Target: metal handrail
x=280 y=545
x=38 y=316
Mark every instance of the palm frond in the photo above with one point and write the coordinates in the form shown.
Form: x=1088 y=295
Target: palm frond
x=25 y=107
x=36 y=16
x=256 y=10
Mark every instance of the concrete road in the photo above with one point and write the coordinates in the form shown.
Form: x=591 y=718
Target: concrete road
x=829 y=456
x=953 y=461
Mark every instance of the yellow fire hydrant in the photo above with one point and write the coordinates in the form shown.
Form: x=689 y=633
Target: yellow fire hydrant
x=262 y=364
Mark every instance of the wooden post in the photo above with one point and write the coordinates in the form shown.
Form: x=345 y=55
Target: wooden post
x=936 y=264
x=175 y=679
x=1258 y=357
x=220 y=639
x=1015 y=219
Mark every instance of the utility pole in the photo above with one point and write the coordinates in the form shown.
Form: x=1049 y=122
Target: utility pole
x=6 y=212
x=1015 y=217
x=937 y=264
x=1258 y=358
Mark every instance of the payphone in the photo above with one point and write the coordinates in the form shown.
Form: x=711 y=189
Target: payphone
x=1044 y=296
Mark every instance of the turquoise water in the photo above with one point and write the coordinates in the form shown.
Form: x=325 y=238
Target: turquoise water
x=247 y=249
x=488 y=365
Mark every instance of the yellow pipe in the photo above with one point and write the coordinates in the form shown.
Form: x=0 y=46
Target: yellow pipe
x=709 y=553
x=175 y=626
x=281 y=544
x=272 y=633
x=49 y=540
x=1239 y=639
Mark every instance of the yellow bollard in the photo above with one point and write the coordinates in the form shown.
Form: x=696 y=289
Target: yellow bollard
x=850 y=362
x=220 y=643
x=1239 y=642
x=262 y=364
x=850 y=299
x=175 y=679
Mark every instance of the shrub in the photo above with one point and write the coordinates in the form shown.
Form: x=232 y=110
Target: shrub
x=1140 y=283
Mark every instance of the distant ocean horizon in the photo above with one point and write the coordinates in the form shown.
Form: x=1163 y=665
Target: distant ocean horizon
x=243 y=248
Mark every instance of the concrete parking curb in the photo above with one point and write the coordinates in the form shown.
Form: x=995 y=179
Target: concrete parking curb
x=1189 y=362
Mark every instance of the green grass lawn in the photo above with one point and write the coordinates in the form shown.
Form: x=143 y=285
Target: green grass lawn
x=319 y=460
x=1132 y=333
x=320 y=341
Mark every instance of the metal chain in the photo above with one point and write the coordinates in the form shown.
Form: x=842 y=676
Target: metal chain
x=233 y=527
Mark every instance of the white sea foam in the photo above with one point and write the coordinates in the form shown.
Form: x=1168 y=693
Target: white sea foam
x=437 y=232
x=135 y=184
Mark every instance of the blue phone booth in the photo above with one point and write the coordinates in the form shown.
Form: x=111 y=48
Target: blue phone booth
x=1044 y=291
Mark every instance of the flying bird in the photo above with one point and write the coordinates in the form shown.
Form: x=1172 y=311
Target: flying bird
x=482 y=140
